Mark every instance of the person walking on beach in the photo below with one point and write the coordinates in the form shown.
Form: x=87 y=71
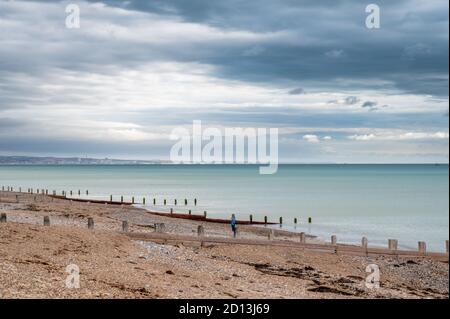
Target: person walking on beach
x=234 y=225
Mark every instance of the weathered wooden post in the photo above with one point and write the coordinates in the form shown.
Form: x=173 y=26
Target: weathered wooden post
x=70 y=193
x=271 y=234
x=175 y=202
x=204 y=214
x=110 y=198
x=333 y=240
x=132 y=200
x=185 y=202
x=265 y=220
x=309 y=220
x=446 y=246
x=364 y=243
x=143 y=201
x=154 y=201
x=3 y=218
x=125 y=226
x=87 y=192
x=251 y=218
x=190 y=212
x=195 y=201
x=393 y=244
x=302 y=237
x=281 y=221
x=422 y=247
x=46 y=221
x=37 y=191
x=121 y=199
x=165 y=202
x=20 y=189
x=90 y=223
x=200 y=231
x=46 y=192
x=171 y=210
x=295 y=221
x=79 y=192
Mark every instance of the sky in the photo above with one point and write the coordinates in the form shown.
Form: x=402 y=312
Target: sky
x=117 y=86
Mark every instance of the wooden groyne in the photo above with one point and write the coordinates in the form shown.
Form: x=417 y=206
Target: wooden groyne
x=207 y=219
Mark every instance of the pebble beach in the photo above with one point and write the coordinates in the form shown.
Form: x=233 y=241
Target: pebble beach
x=34 y=258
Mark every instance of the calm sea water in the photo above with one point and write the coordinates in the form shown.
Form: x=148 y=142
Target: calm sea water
x=406 y=202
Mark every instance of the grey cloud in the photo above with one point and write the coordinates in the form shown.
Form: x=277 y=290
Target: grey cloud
x=369 y=104
x=297 y=91
x=350 y=100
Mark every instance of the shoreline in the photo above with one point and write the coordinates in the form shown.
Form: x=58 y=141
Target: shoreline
x=114 y=265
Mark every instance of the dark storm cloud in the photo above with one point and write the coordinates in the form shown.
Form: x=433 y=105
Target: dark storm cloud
x=328 y=42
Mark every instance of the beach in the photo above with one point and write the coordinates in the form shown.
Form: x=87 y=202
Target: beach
x=33 y=259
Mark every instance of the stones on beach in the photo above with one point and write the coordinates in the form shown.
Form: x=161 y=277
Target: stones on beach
x=422 y=247
x=200 y=231
x=333 y=240
x=46 y=221
x=125 y=226
x=3 y=218
x=160 y=227
x=393 y=244
x=90 y=223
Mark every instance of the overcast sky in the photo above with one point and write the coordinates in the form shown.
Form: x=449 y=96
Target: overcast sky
x=134 y=70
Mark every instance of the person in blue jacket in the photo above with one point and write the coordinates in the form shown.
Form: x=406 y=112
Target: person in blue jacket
x=234 y=225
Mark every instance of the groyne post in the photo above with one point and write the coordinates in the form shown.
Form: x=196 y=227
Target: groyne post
x=251 y=218
x=334 y=240
x=205 y=214
x=422 y=247
x=393 y=244
x=46 y=221
x=281 y=221
x=302 y=237
x=125 y=226
x=3 y=218
x=143 y=201
x=265 y=220
x=90 y=223
x=200 y=231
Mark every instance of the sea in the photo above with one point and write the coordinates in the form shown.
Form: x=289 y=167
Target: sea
x=409 y=203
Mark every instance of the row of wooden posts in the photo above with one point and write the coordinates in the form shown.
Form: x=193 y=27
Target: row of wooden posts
x=160 y=228
x=71 y=193
x=64 y=193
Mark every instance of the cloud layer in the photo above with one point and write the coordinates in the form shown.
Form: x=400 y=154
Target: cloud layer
x=136 y=69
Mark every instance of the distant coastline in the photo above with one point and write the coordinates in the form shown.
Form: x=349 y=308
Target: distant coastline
x=50 y=160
